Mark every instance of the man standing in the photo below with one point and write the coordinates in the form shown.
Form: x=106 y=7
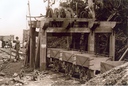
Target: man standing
x=17 y=48
x=27 y=57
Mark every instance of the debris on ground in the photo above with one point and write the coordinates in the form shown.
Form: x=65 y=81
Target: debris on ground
x=115 y=76
x=12 y=73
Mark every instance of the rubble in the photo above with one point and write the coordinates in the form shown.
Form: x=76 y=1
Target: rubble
x=14 y=74
x=2 y=74
x=115 y=76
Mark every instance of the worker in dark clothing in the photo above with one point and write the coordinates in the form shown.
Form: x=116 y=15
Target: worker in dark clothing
x=27 y=57
x=3 y=43
x=17 y=48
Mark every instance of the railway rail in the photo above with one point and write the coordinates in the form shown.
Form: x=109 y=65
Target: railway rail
x=12 y=51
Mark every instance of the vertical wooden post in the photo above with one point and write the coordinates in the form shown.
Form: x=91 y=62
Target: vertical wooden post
x=43 y=45
x=32 y=47
x=37 y=57
x=112 y=46
x=91 y=42
x=43 y=50
x=68 y=43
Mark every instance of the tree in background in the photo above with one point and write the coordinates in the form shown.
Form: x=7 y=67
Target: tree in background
x=105 y=10
x=102 y=10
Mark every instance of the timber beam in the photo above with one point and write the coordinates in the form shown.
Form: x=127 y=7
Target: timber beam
x=71 y=19
x=32 y=47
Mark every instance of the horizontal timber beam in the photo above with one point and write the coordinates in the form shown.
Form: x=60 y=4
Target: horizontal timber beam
x=74 y=30
x=71 y=19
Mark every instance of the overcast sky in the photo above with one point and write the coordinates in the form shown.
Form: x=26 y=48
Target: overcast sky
x=13 y=15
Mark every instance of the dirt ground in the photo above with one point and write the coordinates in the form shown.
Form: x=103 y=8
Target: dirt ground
x=12 y=73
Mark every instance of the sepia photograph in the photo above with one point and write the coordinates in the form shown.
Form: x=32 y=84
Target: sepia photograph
x=63 y=42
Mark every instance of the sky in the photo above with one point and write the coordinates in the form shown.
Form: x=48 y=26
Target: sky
x=13 y=15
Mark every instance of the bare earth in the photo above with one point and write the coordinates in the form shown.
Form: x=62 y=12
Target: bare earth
x=14 y=74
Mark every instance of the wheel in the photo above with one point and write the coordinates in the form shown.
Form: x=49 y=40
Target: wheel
x=88 y=74
x=66 y=68
x=49 y=13
x=57 y=65
x=56 y=13
x=84 y=14
x=54 y=64
x=48 y=62
x=83 y=74
x=70 y=69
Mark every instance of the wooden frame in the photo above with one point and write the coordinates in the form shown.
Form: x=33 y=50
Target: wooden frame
x=41 y=53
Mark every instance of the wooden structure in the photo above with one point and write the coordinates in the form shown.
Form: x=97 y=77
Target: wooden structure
x=75 y=45
x=7 y=38
x=105 y=66
x=38 y=54
x=96 y=37
x=25 y=35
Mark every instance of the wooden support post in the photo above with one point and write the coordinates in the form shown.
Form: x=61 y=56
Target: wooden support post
x=112 y=46
x=68 y=43
x=91 y=42
x=37 y=57
x=43 y=45
x=32 y=47
x=43 y=52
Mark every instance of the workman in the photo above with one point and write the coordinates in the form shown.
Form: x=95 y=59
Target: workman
x=27 y=56
x=17 y=48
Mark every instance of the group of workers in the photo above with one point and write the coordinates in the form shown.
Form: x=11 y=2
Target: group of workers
x=8 y=44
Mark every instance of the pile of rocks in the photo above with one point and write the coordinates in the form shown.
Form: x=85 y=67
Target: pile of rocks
x=115 y=76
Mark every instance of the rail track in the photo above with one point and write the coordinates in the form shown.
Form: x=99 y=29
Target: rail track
x=12 y=52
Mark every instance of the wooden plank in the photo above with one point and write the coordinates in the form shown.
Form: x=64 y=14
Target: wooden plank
x=55 y=52
x=103 y=30
x=68 y=56
x=105 y=27
x=84 y=59
x=91 y=42
x=71 y=19
x=112 y=46
x=105 y=66
x=95 y=63
x=71 y=30
x=32 y=47
x=110 y=24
